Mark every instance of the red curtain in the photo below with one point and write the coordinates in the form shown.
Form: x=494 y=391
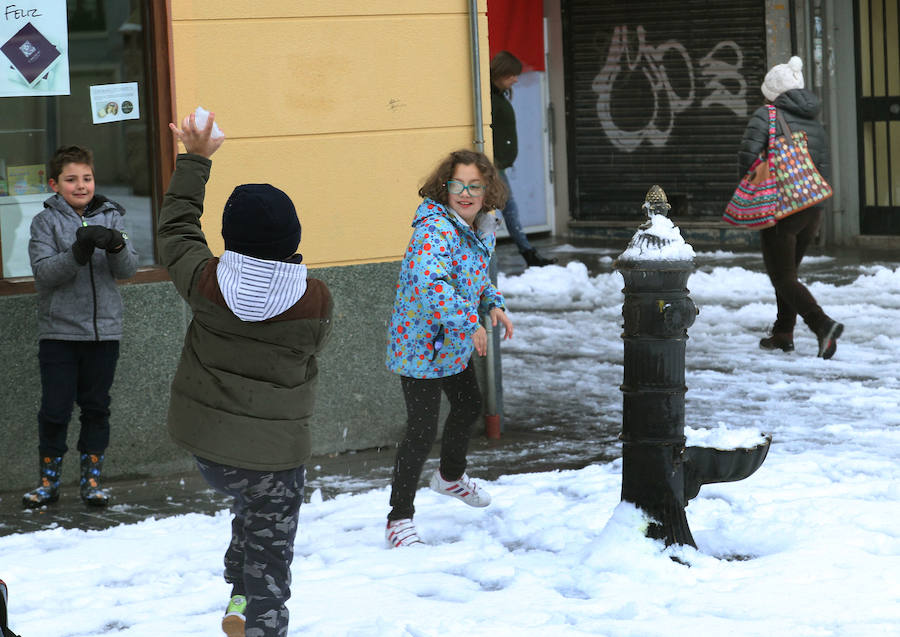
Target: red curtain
x=517 y=26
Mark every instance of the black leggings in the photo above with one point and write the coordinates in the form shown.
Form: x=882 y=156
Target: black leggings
x=423 y=402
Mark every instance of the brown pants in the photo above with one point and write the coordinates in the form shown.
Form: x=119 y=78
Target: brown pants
x=783 y=248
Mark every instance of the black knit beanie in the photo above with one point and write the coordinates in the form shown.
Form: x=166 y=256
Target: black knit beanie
x=260 y=221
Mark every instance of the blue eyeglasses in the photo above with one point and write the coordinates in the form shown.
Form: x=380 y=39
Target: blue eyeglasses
x=455 y=187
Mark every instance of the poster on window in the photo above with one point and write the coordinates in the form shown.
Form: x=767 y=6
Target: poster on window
x=114 y=102
x=34 y=47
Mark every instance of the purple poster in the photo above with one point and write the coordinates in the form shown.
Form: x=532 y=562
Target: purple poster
x=33 y=43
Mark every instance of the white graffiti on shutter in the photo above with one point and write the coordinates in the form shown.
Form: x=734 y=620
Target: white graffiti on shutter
x=649 y=60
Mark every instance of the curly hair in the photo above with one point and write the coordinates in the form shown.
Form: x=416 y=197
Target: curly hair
x=495 y=191
x=69 y=155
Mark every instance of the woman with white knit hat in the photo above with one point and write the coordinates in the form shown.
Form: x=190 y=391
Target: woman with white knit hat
x=785 y=243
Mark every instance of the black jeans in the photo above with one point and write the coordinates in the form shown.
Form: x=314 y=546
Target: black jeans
x=783 y=248
x=266 y=510
x=75 y=372
x=423 y=402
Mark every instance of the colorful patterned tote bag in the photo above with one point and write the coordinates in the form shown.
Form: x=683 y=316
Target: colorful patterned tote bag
x=755 y=200
x=800 y=185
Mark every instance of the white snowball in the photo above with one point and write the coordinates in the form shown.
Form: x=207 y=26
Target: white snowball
x=201 y=115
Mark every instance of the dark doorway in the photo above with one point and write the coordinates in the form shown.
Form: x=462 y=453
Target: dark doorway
x=878 y=98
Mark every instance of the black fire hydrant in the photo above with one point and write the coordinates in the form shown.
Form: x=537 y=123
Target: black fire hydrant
x=659 y=473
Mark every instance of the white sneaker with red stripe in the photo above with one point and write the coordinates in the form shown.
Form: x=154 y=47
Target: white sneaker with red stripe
x=402 y=533
x=463 y=489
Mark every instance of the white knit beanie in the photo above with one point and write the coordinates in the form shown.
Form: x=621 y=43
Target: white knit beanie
x=783 y=77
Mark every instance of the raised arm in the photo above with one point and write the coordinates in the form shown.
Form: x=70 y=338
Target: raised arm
x=182 y=244
x=196 y=140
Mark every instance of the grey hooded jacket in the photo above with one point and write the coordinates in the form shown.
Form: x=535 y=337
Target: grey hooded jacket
x=78 y=302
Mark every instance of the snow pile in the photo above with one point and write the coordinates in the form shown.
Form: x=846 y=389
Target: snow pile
x=723 y=437
x=809 y=541
x=807 y=545
x=556 y=287
x=658 y=240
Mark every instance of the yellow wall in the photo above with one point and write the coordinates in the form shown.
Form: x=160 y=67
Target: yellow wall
x=345 y=105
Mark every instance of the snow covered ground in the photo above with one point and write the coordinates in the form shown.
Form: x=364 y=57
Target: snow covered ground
x=807 y=546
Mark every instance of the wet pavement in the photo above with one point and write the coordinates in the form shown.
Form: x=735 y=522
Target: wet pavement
x=544 y=437
x=351 y=472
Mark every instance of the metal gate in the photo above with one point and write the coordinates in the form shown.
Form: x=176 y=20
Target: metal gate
x=659 y=92
x=878 y=104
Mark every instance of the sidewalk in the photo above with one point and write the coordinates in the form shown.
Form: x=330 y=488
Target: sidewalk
x=352 y=472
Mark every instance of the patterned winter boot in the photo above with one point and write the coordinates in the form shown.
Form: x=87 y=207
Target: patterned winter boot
x=48 y=489
x=91 y=467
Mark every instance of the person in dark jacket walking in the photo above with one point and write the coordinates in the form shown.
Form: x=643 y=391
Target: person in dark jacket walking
x=785 y=243
x=78 y=248
x=243 y=393
x=505 y=71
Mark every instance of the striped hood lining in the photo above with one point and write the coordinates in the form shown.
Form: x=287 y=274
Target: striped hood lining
x=256 y=289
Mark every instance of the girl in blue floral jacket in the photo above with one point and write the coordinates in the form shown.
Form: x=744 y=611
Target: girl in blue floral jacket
x=444 y=281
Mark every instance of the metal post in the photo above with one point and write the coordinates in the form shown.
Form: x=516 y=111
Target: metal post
x=493 y=379
x=476 y=75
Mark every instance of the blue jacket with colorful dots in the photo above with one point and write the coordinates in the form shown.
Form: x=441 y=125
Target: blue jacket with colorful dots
x=443 y=280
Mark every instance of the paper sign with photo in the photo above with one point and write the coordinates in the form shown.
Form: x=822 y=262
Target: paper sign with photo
x=114 y=102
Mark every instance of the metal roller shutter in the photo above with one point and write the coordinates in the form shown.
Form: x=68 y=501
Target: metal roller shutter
x=659 y=92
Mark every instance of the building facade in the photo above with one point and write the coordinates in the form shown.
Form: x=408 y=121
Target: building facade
x=345 y=106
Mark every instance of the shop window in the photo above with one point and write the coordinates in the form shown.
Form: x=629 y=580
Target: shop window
x=109 y=48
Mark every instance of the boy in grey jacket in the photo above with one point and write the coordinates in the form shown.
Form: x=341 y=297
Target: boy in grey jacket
x=78 y=249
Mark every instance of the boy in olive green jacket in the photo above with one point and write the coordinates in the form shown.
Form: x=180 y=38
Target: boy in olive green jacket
x=244 y=390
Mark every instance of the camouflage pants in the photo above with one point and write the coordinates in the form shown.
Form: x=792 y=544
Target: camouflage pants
x=266 y=509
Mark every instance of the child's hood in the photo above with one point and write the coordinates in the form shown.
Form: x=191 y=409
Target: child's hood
x=485 y=222
x=428 y=210
x=97 y=205
x=257 y=289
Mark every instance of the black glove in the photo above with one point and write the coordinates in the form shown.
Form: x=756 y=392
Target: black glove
x=112 y=241
x=102 y=237
x=84 y=244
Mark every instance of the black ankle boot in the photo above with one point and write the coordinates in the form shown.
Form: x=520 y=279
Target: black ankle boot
x=778 y=340
x=828 y=335
x=532 y=258
x=91 y=468
x=47 y=490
